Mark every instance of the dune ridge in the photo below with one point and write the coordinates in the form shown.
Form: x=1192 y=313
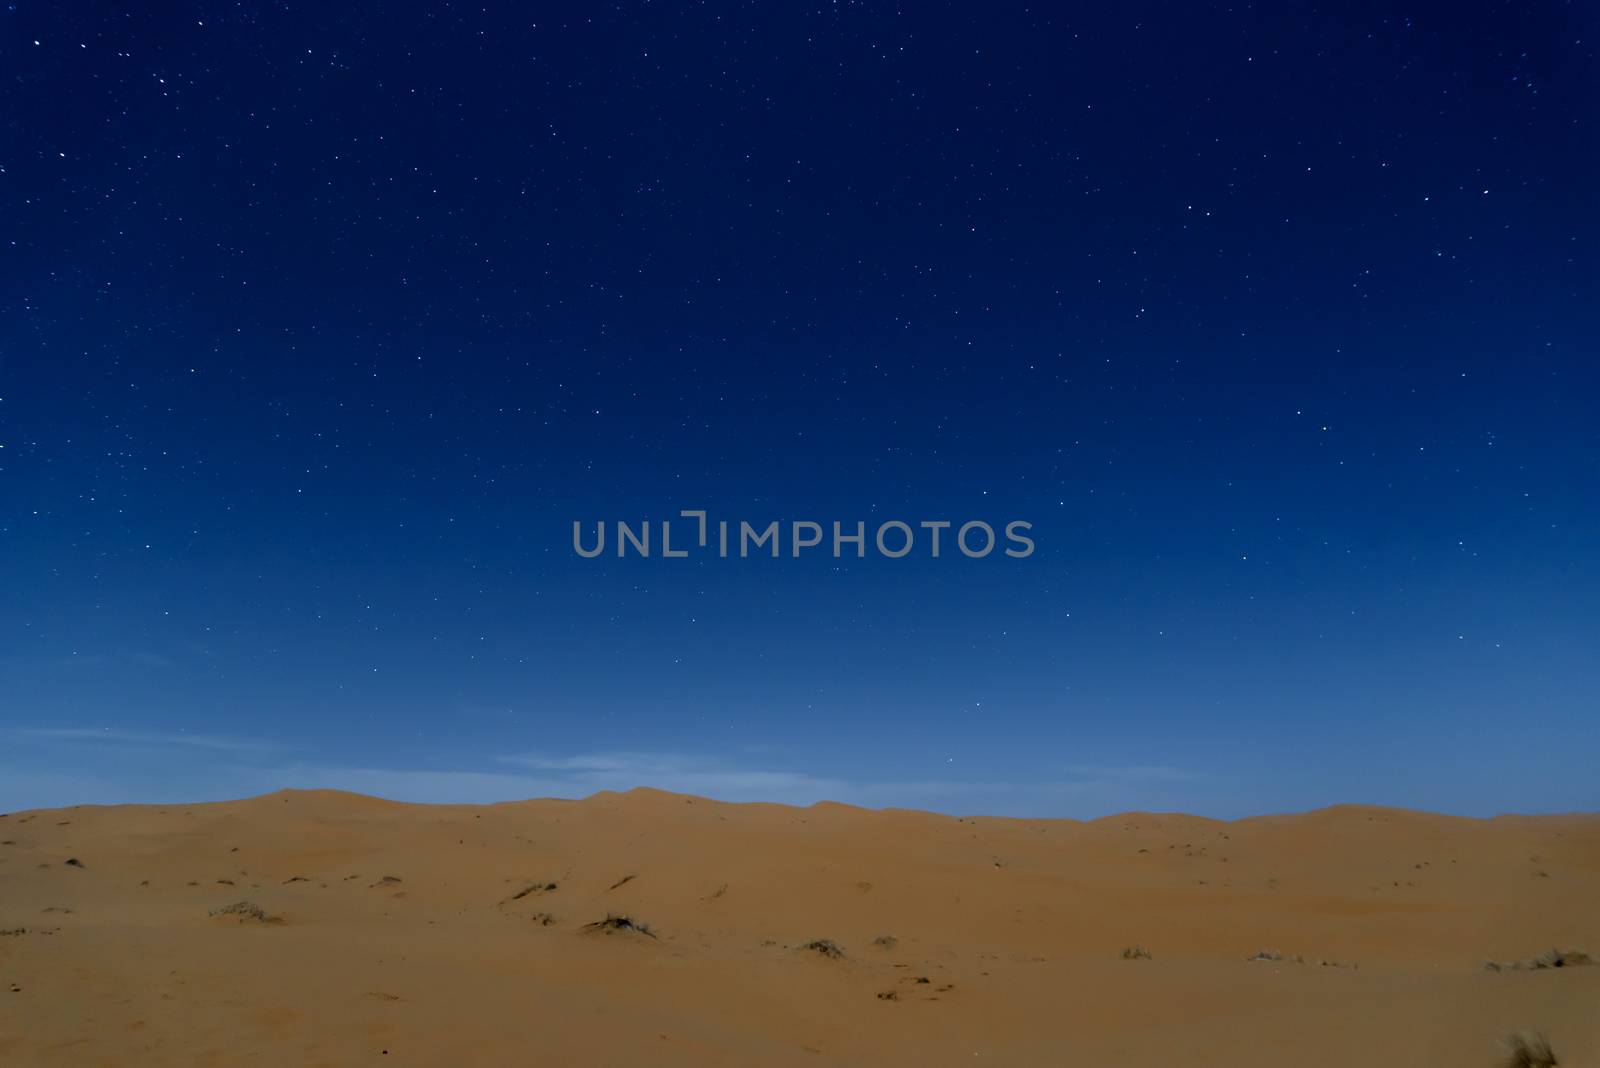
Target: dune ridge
x=326 y=928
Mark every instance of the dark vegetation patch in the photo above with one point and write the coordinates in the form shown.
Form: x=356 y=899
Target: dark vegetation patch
x=1554 y=958
x=73 y=862
x=1136 y=952
x=533 y=888
x=886 y=941
x=1529 y=1051
x=1274 y=955
x=246 y=912
x=827 y=947
x=615 y=924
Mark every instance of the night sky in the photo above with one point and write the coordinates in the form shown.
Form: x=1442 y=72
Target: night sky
x=320 y=325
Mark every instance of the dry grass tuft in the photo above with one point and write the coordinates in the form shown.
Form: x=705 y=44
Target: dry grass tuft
x=614 y=923
x=1529 y=1051
x=246 y=912
x=532 y=888
x=825 y=946
x=1555 y=958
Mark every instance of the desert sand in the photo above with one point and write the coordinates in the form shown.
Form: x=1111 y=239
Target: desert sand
x=377 y=932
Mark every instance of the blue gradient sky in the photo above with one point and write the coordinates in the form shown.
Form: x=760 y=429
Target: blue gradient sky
x=318 y=331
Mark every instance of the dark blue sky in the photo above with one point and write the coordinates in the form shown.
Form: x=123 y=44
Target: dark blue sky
x=321 y=324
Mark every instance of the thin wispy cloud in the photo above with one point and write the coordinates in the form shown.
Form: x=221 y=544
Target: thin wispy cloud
x=136 y=658
x=1100 y=776
x=139 y=765
x=712 y=776
x=681 y=773
x=112 y=736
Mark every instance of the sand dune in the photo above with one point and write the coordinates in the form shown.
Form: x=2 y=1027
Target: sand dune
x=378 y=932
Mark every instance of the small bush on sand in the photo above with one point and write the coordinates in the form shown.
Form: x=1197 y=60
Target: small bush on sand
x=1555 y=958
x=245 y=912
x=825 y=946
x=614 y=924
x=1529 y=1051
x=1136 y=952
x=1274 y=955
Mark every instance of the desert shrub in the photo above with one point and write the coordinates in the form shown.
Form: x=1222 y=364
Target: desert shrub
x=1529 y=1051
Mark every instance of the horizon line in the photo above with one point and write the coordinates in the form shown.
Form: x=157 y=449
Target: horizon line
x=640 y=791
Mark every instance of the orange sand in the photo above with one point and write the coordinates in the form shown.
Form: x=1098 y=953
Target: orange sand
x=1007 y=936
